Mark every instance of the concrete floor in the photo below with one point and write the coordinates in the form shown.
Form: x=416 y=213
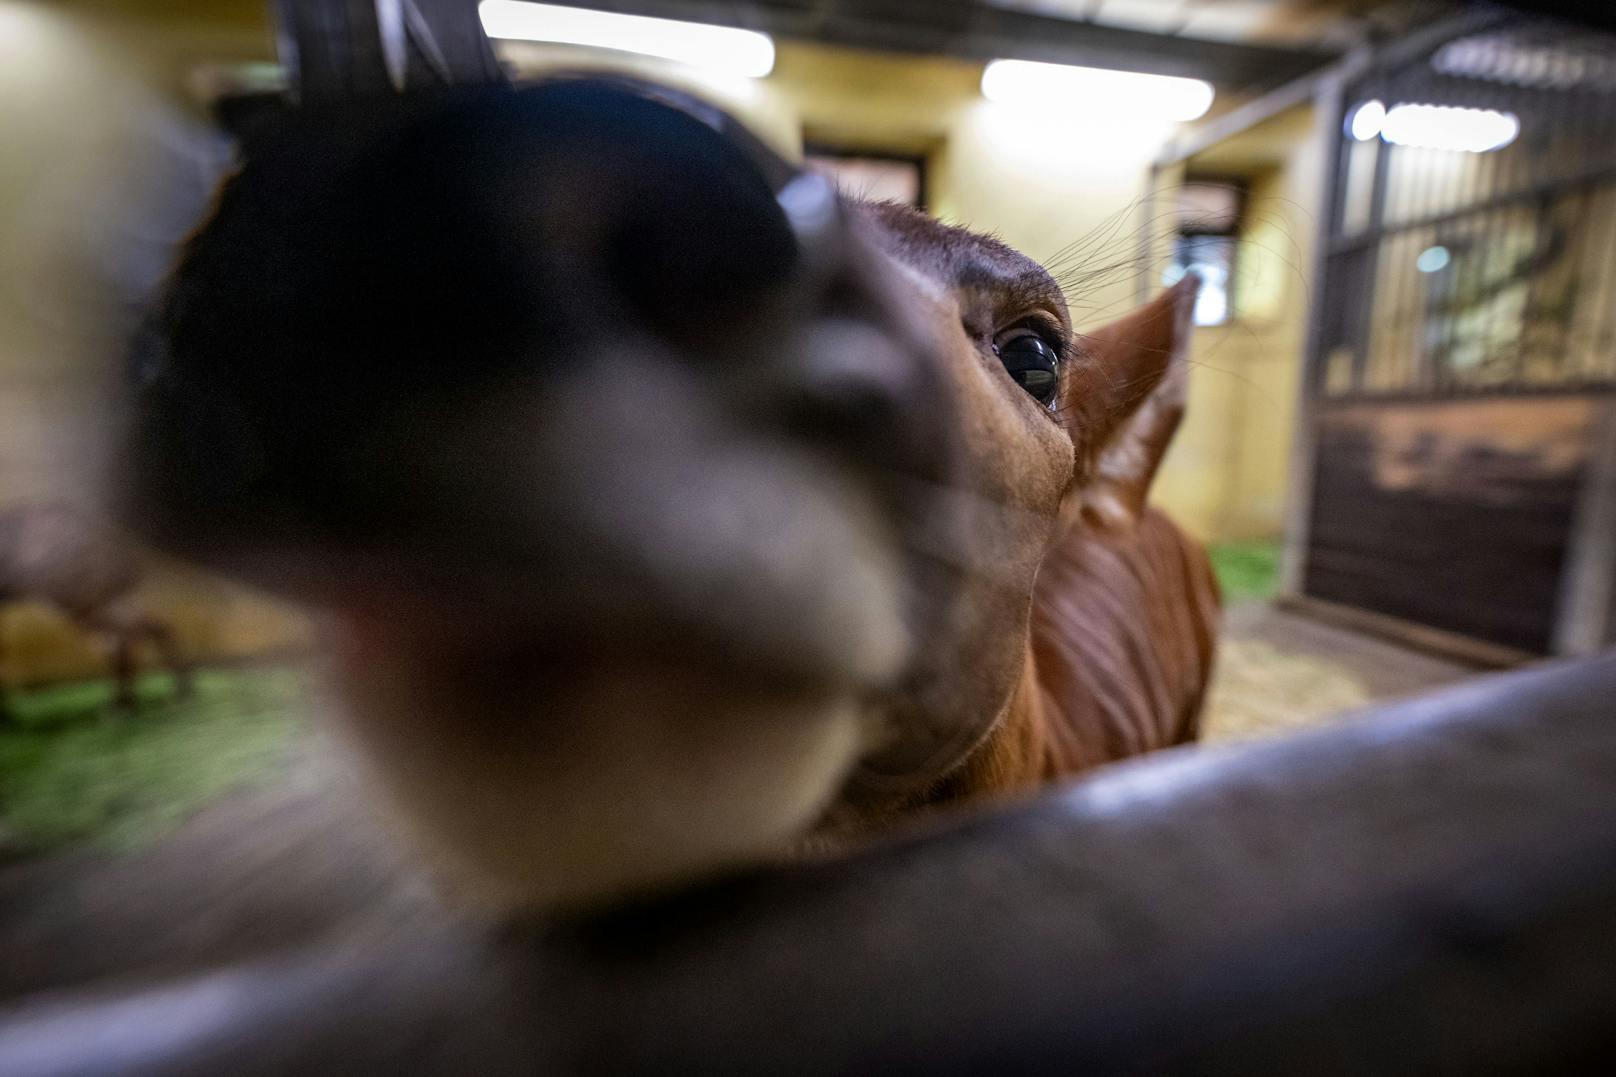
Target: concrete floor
x=1279 y=671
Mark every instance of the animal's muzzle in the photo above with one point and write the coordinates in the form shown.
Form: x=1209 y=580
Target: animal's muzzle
x=376 y=265
x=563 y=342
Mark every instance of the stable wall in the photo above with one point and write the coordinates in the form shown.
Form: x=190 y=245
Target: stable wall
x=103 y=167
x=1227 y=475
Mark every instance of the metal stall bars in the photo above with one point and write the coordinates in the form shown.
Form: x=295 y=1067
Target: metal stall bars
x=337 y=49
x=1459 y=477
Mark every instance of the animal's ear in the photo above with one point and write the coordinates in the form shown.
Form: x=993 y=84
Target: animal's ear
x=1124 y=400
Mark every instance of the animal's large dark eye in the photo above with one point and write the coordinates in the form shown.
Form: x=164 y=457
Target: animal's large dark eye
x=1034 y=364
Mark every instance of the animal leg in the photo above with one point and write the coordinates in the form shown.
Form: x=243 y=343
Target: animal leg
x=168 y=649
x=123 y=670
x=121 y=625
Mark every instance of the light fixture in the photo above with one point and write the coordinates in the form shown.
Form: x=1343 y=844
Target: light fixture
x=1509 y=57
x=722 y=49
x=1119 y=94
x=1367 y=120
x=1435 y=127
x=1433 y=259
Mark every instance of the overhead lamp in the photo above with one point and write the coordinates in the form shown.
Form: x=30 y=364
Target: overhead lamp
x=1433 y=259
x=1368 y=119
x=1448 y=127
x=722 y=49
x=1119 y=94
x=1435 y=127
x=1504 y=56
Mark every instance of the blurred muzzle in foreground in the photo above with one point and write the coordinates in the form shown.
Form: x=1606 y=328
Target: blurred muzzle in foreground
x=529 y=386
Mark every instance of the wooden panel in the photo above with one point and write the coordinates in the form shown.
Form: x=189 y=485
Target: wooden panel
x=1454 y=515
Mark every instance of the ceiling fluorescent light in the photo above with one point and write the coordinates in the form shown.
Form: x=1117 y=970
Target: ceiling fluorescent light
x=714 y=48
x=1158 y=97
x=1445 y=127
x=1368 y=120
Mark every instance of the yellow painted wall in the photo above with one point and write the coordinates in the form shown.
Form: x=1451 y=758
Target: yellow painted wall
x=96 y=146
x=1227 y=475
x=84 y=133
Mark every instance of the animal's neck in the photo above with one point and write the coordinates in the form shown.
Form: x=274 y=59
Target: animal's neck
x=1015 y=756
x=1119 y=648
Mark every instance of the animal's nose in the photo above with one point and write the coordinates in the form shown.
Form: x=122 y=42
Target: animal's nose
x=563 y=211
x=607 y=199
x=696 y=222
x=709 y=237
x=853 y=387
x=370 y=281
x=688 y=223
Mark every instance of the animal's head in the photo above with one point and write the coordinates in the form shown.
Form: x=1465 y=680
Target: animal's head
x=655 y=499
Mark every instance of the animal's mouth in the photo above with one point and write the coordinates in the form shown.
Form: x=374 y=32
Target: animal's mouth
x=729 y=554
x=560 y=635
x=643 y=638
x=546 y=759
x=618 y=507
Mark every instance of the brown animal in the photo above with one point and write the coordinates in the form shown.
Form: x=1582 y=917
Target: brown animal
x=50 y=553
x=1125 y=607
x=662 y=509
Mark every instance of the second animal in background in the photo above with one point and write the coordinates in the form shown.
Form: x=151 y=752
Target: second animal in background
x=56 y=555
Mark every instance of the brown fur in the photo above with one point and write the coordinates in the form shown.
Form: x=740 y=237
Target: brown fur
x=1123 y=635
x=1123 y=616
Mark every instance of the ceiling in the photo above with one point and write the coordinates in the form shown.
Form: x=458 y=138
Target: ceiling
x=1269 y=22
x=1237 y=44
x=1240 y=45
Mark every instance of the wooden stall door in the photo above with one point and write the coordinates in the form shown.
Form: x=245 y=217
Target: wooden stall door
x=1457 y=515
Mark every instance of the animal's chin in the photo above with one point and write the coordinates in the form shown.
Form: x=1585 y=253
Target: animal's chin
x=814 y=628
x=556 y=776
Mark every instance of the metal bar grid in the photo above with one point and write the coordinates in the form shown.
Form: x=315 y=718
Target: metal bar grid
x=1462 y=273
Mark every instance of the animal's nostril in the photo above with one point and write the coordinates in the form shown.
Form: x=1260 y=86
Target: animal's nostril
x=851 y=390
x=699 y=254
x=839 y=410
x=692 y=226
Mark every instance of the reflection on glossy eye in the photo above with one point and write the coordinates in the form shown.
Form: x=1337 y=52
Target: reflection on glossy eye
x=1033 y=363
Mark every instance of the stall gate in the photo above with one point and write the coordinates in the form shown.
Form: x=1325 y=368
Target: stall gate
x=1462 y=368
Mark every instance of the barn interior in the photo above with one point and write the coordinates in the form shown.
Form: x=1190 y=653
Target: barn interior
x=1400 y=438
x=1398 y=421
